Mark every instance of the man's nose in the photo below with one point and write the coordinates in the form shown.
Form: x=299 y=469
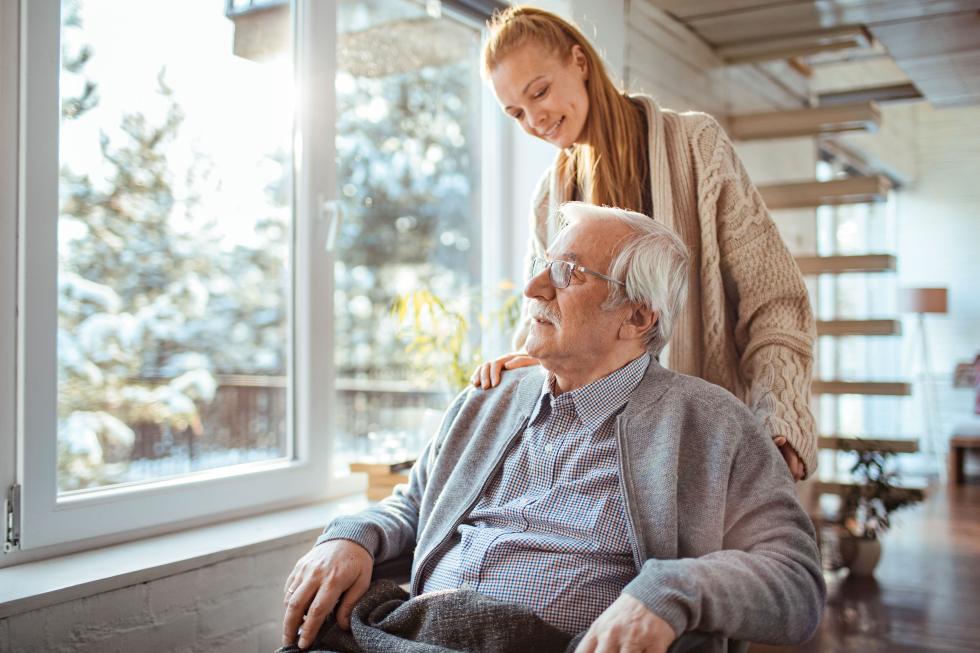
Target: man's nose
x=540 y=286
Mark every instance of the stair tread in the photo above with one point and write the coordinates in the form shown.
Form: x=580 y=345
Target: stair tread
x=859 y=443
x=884 y=388
x=862 y=116
x=835 y=192
x=843 y=264
x=881 y=327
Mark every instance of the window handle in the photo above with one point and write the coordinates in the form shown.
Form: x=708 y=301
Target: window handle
x=331 y=213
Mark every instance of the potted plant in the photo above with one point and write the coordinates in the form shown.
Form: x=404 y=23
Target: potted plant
x=867 y=508
x=444 y=353
x=437 y=331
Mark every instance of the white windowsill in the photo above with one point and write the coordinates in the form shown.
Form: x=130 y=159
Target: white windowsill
x=35 y=585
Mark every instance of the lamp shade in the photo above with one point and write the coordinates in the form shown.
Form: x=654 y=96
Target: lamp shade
x=922 y=300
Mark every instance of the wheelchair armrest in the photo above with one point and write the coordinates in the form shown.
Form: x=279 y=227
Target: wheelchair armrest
x=397 y=569
x=695 y=639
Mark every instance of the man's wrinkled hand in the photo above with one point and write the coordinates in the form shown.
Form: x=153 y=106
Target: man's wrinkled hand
x=627 y=626
x=332 y=572
x=796 y=467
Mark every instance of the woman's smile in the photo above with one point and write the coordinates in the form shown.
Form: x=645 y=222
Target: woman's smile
x=545 y=92
x=552 y=133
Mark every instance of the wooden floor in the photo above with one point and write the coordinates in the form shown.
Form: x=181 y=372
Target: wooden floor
x=926 y=592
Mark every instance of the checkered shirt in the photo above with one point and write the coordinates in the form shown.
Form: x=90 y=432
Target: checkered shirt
x=550 y=530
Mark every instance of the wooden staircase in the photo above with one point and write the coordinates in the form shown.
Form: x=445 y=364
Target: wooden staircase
x=864 y=189
x=831 y=483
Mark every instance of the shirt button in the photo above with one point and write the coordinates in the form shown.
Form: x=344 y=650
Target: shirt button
x=548 y=447
x=466 y=586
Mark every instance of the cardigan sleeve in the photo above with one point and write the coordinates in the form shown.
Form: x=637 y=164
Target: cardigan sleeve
x=763 y=583
x=764 y=291
x=390 y=528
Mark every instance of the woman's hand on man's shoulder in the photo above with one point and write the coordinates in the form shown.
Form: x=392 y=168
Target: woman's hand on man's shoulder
x=488 y=374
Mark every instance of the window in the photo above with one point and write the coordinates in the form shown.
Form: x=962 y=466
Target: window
x=175 y=215
x=198 y=210
x=408 y=126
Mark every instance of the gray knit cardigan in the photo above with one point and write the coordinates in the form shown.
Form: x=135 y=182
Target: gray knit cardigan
x=721 y=542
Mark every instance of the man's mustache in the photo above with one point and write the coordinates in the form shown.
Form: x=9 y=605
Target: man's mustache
x=540 y=311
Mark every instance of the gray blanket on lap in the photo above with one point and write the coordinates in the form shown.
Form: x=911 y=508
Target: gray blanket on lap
x=386 y=620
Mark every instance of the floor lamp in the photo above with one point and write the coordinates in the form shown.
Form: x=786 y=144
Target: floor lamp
x=921 y=301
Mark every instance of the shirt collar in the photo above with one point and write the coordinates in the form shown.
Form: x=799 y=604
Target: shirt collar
x=596 y=402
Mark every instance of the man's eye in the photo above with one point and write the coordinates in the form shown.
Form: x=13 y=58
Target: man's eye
x=518 y=115
x=540 y=93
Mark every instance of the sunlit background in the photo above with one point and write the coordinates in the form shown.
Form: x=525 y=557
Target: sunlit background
x=176 y=222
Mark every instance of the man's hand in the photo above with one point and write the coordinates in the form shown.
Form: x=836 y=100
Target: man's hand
x=627 y=626
x=796 y=467
x=487 y=375
x=327 y=571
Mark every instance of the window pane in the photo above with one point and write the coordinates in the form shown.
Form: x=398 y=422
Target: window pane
x=175 y=178
x=408 y=96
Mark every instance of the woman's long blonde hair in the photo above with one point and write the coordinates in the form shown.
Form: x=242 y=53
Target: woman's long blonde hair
x=610 y=166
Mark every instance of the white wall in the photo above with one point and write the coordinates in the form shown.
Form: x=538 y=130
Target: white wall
x=939 y=228
x=936 y=153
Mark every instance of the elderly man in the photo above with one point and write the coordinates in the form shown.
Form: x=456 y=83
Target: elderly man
x=611 y=496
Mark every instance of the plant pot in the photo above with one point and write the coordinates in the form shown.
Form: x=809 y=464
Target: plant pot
x=860 y=554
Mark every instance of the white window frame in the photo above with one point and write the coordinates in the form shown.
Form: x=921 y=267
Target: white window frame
x=29 y=116
x=60 y=525
x=9 y=31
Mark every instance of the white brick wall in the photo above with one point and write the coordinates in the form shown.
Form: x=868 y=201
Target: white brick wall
x=234 y=605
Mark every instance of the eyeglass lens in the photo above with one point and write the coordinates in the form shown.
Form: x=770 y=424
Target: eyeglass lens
x=560 y=272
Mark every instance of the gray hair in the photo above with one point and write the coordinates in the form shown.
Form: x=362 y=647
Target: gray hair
x=652 y=262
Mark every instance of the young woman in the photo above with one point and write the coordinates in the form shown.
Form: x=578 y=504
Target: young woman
x=747 y=325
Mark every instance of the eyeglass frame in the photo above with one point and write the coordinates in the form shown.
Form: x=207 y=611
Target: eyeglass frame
x=575 y=267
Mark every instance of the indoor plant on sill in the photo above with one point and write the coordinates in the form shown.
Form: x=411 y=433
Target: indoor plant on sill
x=866 y=511
x=443 y=352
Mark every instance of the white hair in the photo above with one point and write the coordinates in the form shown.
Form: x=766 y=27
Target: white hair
x=652 y=262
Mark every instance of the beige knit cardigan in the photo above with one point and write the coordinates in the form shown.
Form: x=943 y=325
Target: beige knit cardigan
x=747 y=325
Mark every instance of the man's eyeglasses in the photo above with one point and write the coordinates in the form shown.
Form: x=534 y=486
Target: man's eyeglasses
x=561 y=271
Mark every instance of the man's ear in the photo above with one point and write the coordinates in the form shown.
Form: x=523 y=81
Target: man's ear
x=639 y=322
